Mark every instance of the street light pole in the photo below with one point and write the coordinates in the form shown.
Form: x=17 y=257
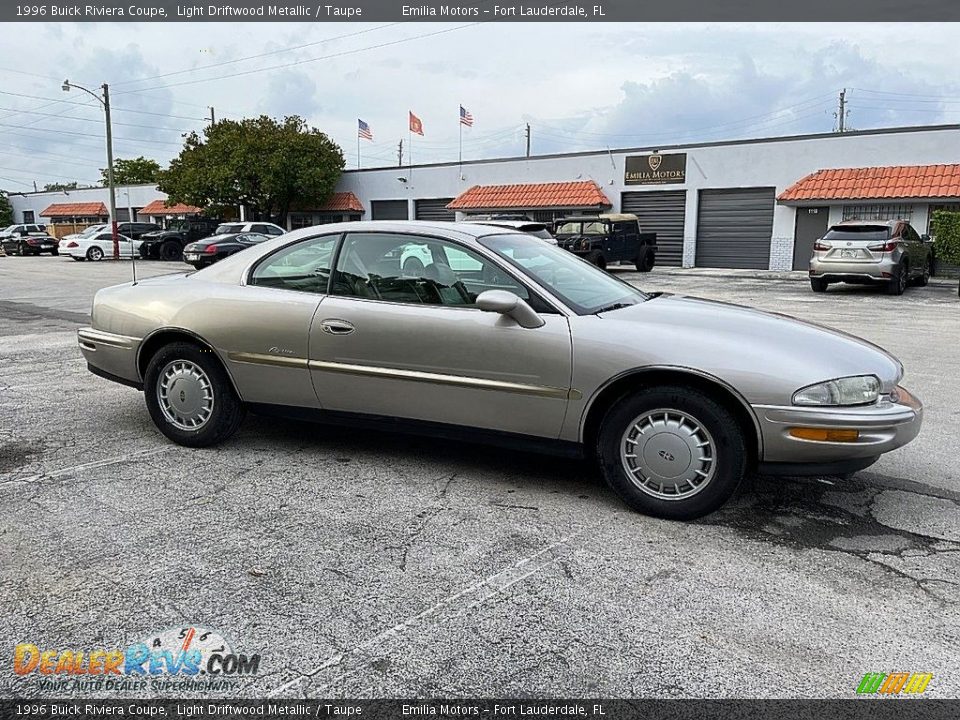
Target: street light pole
x=105 y=101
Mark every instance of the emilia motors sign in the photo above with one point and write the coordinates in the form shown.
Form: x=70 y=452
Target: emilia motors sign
x=655 y=169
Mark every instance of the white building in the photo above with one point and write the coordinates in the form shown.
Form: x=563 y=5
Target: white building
x=743 y=203
x=722 y=204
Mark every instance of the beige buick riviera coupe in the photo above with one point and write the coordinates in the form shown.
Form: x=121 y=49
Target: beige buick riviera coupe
x=501 y=337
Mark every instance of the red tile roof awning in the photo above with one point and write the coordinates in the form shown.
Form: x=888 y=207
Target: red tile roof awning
x=873 y=183
x=342 y=202
x=87 y=209
x=159 y=207
x=585 y=194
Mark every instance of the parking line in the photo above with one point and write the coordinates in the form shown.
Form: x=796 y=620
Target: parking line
x=89 y=465
x=520 y=570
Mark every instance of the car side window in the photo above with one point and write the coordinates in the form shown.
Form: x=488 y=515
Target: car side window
x=304 y=267
x=416 y=270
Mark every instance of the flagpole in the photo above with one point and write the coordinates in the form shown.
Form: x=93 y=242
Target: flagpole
x=358 y=148
x=460 y=156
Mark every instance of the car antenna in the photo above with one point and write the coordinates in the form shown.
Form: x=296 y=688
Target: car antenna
x=133 y=261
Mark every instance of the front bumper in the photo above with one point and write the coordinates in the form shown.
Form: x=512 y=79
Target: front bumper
x=113 y=355
x=882 y=427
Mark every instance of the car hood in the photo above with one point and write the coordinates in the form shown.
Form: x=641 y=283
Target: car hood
x=767 y=356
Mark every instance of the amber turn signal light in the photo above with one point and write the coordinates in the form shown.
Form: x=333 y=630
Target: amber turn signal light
x=825 y=434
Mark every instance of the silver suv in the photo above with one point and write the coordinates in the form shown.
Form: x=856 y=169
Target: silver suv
x=890 y=252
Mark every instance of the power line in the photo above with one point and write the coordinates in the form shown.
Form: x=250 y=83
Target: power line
x=302 y=62
x=97 y=120
x=78 y=134
x=89 y=103
x=254 y=57
x=44 y=175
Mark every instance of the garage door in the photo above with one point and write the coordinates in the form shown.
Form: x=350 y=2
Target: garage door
x=388 y=209
x=734 y=228
x=435 y=209
x=662 y=213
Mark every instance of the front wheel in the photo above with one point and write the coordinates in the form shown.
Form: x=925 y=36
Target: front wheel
x=596 y=258
x=645 y=261
x=818 y=284
x=190 y=397
x=923 y=279
x=171 y=250
x=672 y=452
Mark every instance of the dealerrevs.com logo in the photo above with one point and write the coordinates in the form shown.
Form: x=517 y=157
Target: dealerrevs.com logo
x=187 y=658
x=894 y=683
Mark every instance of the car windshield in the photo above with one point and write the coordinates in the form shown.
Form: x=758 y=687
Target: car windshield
x=583 y=287
x=8 y=229
x=582 y=228
x=92 y=230
x=227 y=228
x=858 y=232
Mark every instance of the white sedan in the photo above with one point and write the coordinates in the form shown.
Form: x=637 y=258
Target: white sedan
x=97 y=247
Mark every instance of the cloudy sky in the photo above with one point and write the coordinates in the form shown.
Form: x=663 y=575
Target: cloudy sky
x=579 y=86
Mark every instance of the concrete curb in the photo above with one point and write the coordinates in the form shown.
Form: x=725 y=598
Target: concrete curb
x=791 y=276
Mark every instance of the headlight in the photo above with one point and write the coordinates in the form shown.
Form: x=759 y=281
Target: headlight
x=858 y=390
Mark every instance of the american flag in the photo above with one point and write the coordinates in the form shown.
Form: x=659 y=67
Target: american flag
x=363 y=130
x=465 y=117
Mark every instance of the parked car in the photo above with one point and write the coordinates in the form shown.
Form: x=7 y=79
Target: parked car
x=29 y=244
x=98 y=247
x=168 y=244
x=86 y=232
x=261 y=228
x=528 y=346
x=888 y=252
x=537 y=229
x=608 y=238
x=216 y=247
x=12 y=233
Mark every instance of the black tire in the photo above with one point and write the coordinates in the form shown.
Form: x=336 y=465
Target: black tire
x=595 y=257
x=898 y=283
x=413 y=267
x=819 y=284
x=923 y=279
x=94 y=254
x=726 y=469
x=171 y=250
x=54 y=252
x=645 y=261
x=226 y=412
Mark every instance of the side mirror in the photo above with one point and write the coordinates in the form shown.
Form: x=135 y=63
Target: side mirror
x=506 y=303
x=926 y=238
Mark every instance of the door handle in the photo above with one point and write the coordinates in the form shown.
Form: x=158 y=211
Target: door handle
x=337 y=327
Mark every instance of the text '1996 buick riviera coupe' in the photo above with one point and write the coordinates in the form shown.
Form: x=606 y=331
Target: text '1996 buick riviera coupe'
x=502 y=337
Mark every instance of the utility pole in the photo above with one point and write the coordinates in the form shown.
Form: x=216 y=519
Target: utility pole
x=213 y=115
x=842 y=111
x=105 y=101
x=528 y=139
x=400 y=154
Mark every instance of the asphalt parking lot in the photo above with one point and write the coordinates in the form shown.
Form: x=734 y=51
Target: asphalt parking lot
x=371 y=565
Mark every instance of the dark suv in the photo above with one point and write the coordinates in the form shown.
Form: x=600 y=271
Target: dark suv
x=610 y=238
x=168 y=244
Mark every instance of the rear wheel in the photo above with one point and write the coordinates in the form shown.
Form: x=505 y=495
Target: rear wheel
x=190 y=397
x=672 y=451
x=645 y=261
x=596 y=258
x=171 y=250
x=94 y=254
x=923 y=279
x=818 y=284
x=898 y=283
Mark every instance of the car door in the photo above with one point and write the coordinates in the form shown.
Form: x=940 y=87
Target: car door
x=916 y=250
x=263 y=330
x=412 y=344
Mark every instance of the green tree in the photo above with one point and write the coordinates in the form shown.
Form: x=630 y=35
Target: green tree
x=138 y=171
x=945 y=227
x=261 y=163
x=61 y=186
x=6 y=210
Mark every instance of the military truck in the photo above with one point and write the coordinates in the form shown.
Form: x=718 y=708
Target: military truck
x=168 y=244
x=608 y=238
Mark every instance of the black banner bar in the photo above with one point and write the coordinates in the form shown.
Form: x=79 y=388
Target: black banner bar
x=550 y=709
x=478 y=11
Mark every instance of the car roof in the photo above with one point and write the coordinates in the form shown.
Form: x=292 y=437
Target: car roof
x=613 y=217
x=517 y=224
x=459 y=230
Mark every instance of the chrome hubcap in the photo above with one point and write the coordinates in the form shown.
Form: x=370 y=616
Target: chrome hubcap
x=185 y=395
x=668 y=454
